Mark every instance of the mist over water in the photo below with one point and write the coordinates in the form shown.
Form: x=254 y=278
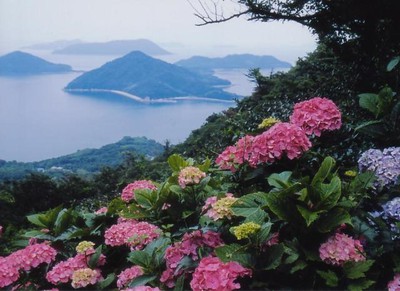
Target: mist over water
x=39 y=120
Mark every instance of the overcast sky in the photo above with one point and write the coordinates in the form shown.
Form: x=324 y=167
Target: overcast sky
x=169 y=23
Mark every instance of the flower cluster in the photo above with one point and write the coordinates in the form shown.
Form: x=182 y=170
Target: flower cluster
x=394 y=285
x=132 y=233
x=385 y=164
x=24 y=260
x=245 y=230
x=126 y=276
x=219 y=208
x=142 y=288
x=85 y=276
x=268 y=122
x=128 y=193
x=190 y=176
x=189 y=246
x=64 y=270
x=316 y=115
x=283 y=138
x=391 y=209
x=233 y=156
x=341 y=248
x=85 y=246
x=213 y=274
x=102 y=210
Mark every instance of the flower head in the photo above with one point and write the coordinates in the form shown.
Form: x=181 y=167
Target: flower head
x=84 y=246
x=190 y=176
x=394 y=285
x=8 y=272
x=127 y=275
x=245 y=230
x=236 y=155
x=268 y=122
x=128 y=193
x=316 y=115
x=341 y=248
x=86 y=276
x=213 y=274
x=219 y=208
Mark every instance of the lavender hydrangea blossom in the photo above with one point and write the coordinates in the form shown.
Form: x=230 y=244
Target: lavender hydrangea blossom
x=385 y=164
x=391 y=209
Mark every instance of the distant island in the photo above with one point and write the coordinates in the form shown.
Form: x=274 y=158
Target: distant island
x=21 y=64
x=239 y=61
x=143 y=78
x=54 y=45
x=87 y=161
x=116 y=47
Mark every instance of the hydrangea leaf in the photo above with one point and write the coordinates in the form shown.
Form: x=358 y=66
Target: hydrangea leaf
x=233 y=252
x=356 y=270
x=140 y=258
x=176 y=162
x=274 y=256
x=103 y=284
x=330 y=277
x=281 y=180
x=142 y=280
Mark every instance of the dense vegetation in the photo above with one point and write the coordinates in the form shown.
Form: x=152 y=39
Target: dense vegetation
x=85 y=162
x=300 y=192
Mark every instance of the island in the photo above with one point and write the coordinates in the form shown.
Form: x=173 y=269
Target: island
x=19 y=63
x=146 y=79
x=115 y=47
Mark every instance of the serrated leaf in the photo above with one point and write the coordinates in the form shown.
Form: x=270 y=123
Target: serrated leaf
x=330 y=277
x=369 y=101
x=372 y=128
x=142 y=280
x=281 y=180
x=103 y=284
x=356 y=270
x=140 y=258
x=249 y=206
x=180 y=283
x=329 y=194
x=94 y=259
x=274 y=256
x=233 y=252
x=392 y=64
x=308 y=215
x=300 y=265
x=146 y=198
x=176 y=162
x=324 y=171
x=263 y=234
x=332 y=219
x=362 y=284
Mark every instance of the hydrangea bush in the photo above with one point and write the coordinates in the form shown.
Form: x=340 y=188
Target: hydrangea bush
x=268 y=214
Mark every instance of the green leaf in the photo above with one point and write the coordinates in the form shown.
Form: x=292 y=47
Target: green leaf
x=278 y=204
x=308 y=215
x=374 y=128
x=356 y=270
x=274 y=256
x=141 y=258
x=324 y=171
x=205 y=166
x=146 y=198
x=362 y=182
x=249 y=206
x=180 y=283
x=392 y=64
x=330 y=277
x=142 y=280
x=103 y=284
x=233 y=252
x=281 y=180
x=94 y=259
x=332 y=219
x=362 y=284
x=300 y=265
x=37 y=219
x=329 y=194
x=176 y=162
x=63 y=221
x=369 y=101
x=263 y=234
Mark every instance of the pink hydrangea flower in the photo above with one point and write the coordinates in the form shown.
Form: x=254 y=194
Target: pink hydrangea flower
x=128 y=193
x=187 y=247
x=316 y=115
x=8 y=272
x=142 y=288
x=131 y=233
x=219 y=208
x=127 y=275
x=63 y=271
x=84 y=277
x=190 y=176
x=213 y=274
x=341 y=248
x=236 y=155
x=102 y=210
x=281 y=139
x=33 y=255
x=394 y=285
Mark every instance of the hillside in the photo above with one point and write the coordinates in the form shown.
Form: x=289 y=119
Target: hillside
x=116 y=47
x=239 y=61
x=84 y=161
x=19 y=63
x=141 y=75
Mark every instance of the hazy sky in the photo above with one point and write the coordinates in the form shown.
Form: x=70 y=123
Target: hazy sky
x=169 y=23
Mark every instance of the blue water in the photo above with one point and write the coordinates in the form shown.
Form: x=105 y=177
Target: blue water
x=38 y=120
